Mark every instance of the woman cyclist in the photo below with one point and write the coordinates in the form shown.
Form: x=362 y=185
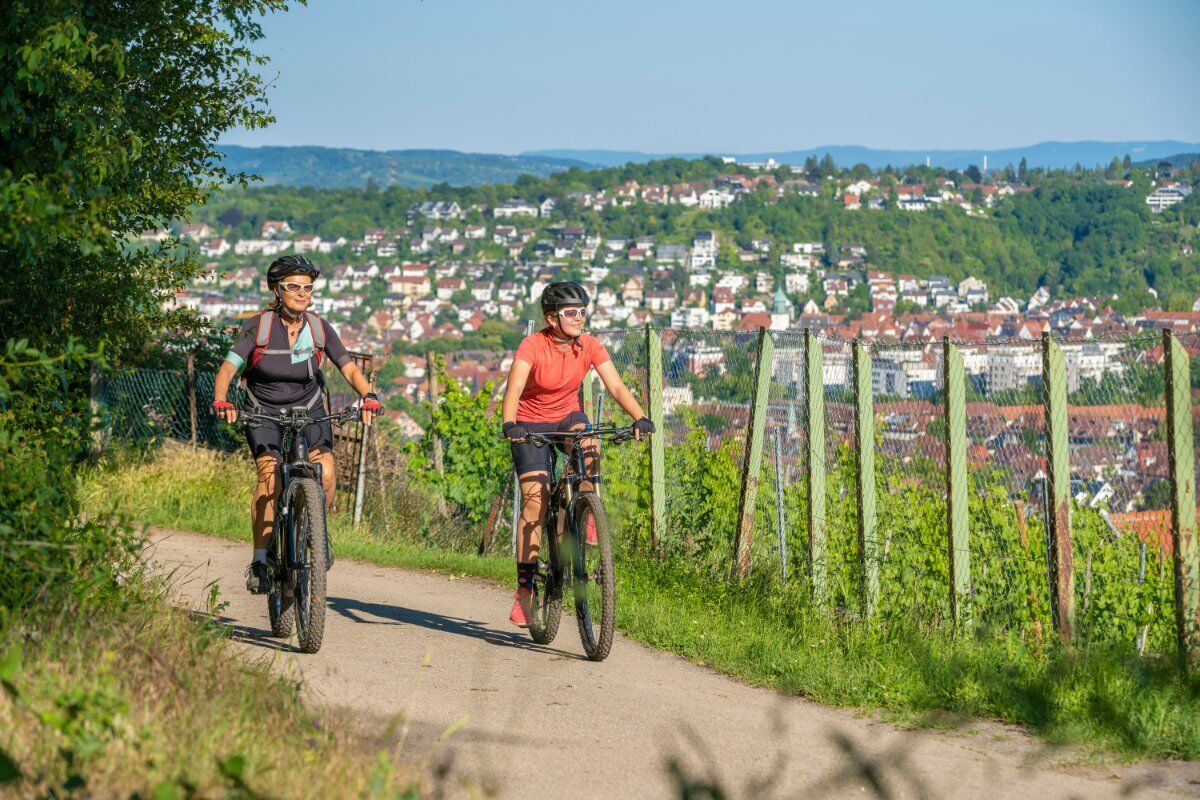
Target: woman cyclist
x=283 y=353
x=543 y=394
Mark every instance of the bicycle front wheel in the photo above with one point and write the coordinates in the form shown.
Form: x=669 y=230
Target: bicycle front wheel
x=307 y=510
x=592 y=565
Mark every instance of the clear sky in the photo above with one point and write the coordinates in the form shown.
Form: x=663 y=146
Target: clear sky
x=504 y=76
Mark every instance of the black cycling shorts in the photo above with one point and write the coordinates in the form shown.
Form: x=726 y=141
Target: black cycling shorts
x=528 y=457
x=267 y=439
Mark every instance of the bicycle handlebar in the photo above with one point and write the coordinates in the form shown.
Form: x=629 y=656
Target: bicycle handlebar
x=295 y=421
x=607 y=433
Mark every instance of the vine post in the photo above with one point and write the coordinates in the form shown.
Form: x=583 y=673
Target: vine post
x=1181 y=459
x=1058 y=488
x=958 y=539
x=814 y=392
x=864 y=463
x=752 y=461
x=658 y=464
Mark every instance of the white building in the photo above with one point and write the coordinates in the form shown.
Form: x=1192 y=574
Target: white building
x=1164 y=197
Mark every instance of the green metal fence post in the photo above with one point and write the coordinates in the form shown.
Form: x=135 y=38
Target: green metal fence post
x=814 y=384
x=956 y=480
x=589 y=395
x=864 y=462
x=752 y=461
x=1058 y=488
x=658 y=467
x=1184 y=545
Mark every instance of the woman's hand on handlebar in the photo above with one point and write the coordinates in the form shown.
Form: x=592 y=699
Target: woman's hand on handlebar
x=370 y=408
x=225 y=411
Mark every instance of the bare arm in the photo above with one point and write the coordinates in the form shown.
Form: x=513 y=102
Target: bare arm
x=618 y=391
x=518 y=375
x=359 y=383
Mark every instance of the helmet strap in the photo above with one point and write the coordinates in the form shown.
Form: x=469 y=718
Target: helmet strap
x=560 y=335
x=284 y=311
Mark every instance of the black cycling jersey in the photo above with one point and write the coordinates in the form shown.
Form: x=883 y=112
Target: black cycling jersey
x=282 y=380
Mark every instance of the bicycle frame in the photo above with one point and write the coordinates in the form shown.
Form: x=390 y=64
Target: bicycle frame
x=295 y=464
x=566 y=485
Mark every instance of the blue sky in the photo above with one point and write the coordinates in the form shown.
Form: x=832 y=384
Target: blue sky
x=511 y=75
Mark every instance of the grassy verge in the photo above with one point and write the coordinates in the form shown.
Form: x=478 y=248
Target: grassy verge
x=761 y=632
x=135 y=699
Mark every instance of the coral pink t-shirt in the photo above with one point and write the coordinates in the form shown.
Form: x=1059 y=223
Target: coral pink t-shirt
x=552 y=391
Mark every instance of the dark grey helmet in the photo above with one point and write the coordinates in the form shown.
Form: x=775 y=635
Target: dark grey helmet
x=561 y=294
x=284 y=266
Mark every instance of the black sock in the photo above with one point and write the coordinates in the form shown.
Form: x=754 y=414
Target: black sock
x=525 y=573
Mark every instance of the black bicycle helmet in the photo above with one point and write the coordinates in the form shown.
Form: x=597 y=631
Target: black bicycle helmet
x=284 y=266
x=561 y=294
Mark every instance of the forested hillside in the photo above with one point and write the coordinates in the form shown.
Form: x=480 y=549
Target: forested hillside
x=1085 y=232
x=326 y=167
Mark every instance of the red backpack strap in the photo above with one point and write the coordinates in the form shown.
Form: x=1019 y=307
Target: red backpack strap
x=262 y=337
x=265 y=318
x=318 y=335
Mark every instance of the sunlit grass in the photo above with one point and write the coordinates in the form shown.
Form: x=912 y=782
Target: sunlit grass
x=761 y=631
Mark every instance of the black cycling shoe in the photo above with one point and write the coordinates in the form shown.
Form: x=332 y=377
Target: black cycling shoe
x=258 y=578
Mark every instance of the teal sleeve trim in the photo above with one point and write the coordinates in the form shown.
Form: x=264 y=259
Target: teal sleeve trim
x=235 y=359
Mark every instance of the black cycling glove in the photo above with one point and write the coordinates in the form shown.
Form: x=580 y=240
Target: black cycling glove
x=514 y=431
x=643 y=427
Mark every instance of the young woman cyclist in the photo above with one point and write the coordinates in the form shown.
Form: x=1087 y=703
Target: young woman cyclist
x=284 y=371
x=543 y=395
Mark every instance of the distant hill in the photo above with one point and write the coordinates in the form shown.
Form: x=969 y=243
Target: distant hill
x=1177 y=160
x=1043 y=154
x=336 y=167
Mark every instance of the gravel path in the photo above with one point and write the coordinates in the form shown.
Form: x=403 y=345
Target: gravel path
x=437 y=653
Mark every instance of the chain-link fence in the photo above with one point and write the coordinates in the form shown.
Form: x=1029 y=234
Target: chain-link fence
x=138 y=407
x=887 y=553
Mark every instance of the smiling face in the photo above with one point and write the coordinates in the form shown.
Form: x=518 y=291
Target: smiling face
x=571 y=318
x=296 y=291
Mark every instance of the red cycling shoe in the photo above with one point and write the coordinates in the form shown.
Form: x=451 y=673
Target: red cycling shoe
x=522 y=608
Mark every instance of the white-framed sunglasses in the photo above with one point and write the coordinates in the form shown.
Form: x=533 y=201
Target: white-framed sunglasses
x=572 y=313
x=297 y=288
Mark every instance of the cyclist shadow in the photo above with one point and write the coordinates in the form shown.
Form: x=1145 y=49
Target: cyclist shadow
x=245 y=634
x=361 y=612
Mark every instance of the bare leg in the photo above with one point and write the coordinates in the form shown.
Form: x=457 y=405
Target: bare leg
x=535 y=496
x=328 y=473
x=262 y=507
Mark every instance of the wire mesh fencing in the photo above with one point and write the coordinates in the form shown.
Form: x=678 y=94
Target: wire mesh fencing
x=144 y=407
x=887 y=554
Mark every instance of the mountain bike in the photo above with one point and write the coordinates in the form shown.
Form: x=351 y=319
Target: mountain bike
x=581 y=561
x=298 y=554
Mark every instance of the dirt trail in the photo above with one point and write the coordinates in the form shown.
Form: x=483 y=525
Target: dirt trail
x=544 y=722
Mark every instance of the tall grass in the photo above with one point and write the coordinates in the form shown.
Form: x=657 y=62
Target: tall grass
x=760 y=631
x=137 y=699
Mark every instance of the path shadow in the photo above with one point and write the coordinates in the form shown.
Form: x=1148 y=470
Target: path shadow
x=359 y=611
x=246 y=634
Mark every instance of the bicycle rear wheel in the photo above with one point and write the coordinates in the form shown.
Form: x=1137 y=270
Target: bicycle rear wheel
x=547 y=591
x=281 y=608
x=281 y=601
x=307 y=510
x=592 y=564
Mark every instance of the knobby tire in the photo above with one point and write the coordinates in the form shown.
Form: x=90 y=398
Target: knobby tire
x=595 y=634
x=308 y=514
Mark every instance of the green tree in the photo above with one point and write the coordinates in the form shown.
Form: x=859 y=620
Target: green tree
x=109 y=117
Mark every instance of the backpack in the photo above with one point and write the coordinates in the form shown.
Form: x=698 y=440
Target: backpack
x=263 y=337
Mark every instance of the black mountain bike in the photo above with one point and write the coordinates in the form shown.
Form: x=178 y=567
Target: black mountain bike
x=298 y=555
x=582 y=559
